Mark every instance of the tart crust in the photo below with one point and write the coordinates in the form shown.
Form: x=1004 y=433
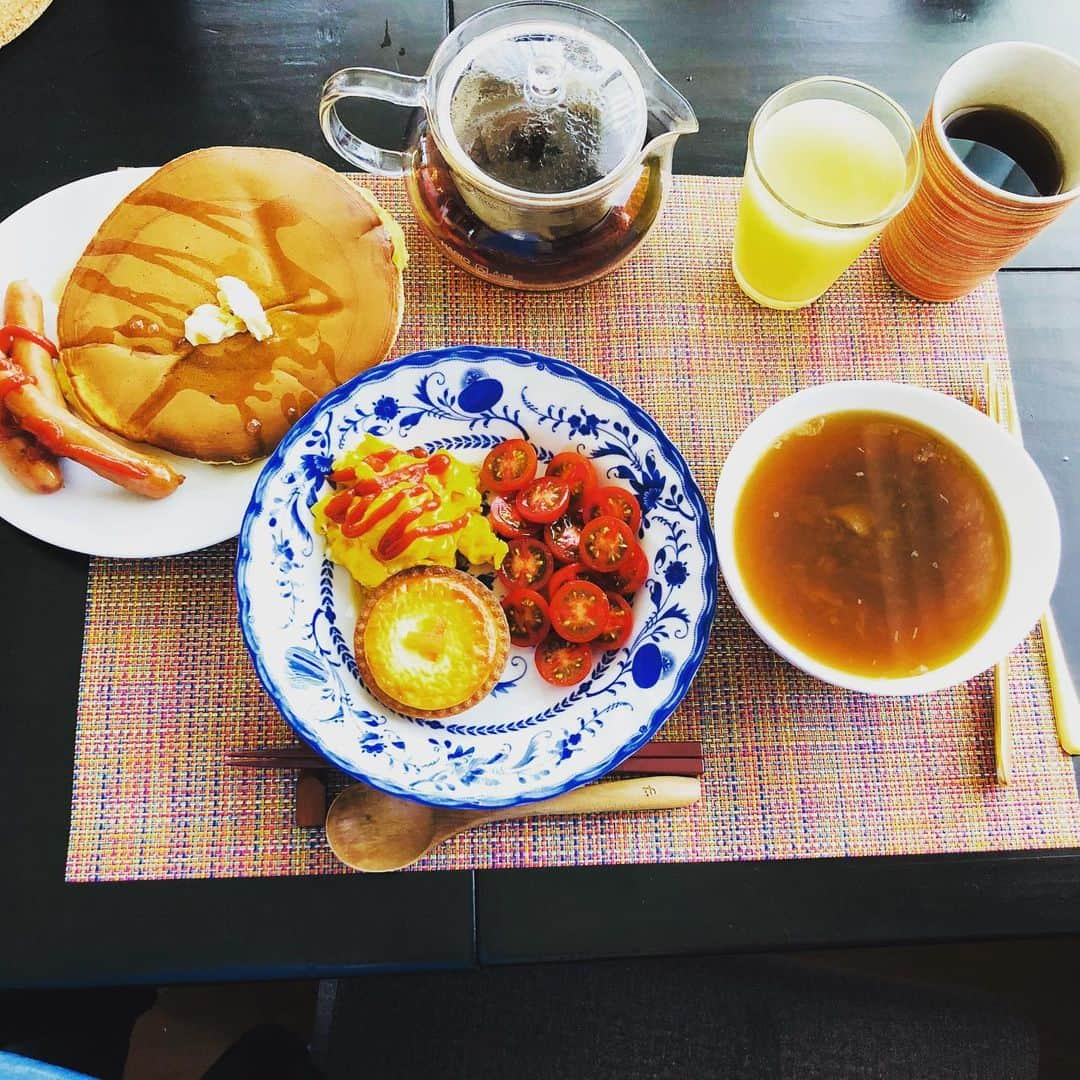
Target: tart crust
x=431 y=642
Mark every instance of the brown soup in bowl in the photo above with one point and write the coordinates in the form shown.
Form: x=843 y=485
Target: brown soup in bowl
x=872 y=543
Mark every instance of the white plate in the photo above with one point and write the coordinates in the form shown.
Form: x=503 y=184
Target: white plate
x=42 y=242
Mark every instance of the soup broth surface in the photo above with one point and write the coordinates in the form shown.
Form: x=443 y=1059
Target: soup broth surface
x=872 y=543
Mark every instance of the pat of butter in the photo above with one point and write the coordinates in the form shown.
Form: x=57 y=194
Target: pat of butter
x=238 y=309
x=208 y=324
x=237 y=296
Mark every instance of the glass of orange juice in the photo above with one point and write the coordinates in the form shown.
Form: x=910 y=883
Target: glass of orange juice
x=829 y=162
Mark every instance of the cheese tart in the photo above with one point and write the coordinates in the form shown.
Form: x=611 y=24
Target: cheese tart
x=431 y=641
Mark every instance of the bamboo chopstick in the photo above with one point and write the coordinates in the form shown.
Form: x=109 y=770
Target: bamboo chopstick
x=998 y=410
x=1062 y=688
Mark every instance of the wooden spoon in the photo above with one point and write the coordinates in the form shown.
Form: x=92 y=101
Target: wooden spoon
x=370 y=830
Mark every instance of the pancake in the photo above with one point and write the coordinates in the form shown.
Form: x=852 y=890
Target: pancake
x=315 y=251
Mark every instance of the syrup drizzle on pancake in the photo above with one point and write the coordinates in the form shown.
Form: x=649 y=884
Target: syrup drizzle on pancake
x=310 y=350
x=233 y=372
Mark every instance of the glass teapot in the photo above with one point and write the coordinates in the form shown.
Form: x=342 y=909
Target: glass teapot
x=540 y=145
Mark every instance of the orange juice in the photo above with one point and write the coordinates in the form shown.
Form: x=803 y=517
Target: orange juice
x=820 y=180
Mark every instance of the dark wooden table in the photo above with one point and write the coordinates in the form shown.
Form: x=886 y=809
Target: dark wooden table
x=100 y=83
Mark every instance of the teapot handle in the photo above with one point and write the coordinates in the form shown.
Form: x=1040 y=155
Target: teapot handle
x=360 y=82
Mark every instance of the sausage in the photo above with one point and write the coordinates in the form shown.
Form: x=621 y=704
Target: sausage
x=67 y=436
x=22 y=307
x=47 y=418
x=27 y=460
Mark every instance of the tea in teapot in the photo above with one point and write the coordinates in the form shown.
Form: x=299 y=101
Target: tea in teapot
x=540 y=149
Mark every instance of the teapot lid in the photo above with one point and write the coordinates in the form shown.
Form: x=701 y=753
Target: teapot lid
x=543 y=107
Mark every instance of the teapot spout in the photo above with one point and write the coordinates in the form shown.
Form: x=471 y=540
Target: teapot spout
x=670 y=115
x=668 y=109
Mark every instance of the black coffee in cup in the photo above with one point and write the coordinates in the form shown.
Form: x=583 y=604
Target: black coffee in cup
x=1006 y=149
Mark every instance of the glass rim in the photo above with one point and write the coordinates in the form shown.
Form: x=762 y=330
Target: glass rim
x=894 y=207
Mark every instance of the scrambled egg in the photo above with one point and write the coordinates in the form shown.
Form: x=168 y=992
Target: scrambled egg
x=459 y=497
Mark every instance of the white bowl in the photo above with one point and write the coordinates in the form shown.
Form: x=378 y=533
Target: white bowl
x=1028 y=507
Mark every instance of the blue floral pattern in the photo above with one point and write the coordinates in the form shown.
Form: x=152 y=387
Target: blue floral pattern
x=527 y=740
x=386 y=408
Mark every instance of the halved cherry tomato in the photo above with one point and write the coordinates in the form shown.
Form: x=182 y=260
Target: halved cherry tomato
x=505 y=520
x=619 y=624
x=614 y=502
x=579 y=610
x=527 y=565
x=527 y=615
x=562 y=663
x=563 y=537
x=563 y=575
x=576 y=470
x=603 y=580
x=606 y=543
x=510 y=466
x=631 y=576
x=543 y=500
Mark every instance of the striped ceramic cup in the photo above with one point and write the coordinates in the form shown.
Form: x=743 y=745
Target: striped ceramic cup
x=959 y=228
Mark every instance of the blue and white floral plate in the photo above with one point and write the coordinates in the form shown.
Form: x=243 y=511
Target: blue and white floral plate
x=527 y=740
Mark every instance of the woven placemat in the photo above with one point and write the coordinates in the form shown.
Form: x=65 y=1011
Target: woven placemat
x=794 y=768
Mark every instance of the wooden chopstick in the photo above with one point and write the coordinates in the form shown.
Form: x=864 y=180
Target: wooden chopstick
x=656 y=748
x=310 y=801
x=1062 y=688
x=303 y=754
x=668 y=758
x=1002 y=722
x=654 y=758
x=633 y=766
x=1063 y=694
x=997 y=408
